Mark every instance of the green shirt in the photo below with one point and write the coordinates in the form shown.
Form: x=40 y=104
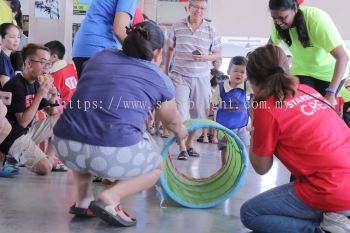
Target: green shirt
x=5 y=13
x=315 y=61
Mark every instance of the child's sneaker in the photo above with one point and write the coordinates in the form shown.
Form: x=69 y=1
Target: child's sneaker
x=214 y=140
x=205 y=139
x=200 y=139
x=335 y=223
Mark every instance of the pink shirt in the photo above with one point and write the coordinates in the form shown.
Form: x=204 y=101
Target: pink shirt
x=138 y=17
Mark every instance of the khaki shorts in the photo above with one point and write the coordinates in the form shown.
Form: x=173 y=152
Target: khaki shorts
x=192 y=96
x=26 y=145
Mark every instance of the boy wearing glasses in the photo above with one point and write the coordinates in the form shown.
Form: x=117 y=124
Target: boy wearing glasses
x=28 y=96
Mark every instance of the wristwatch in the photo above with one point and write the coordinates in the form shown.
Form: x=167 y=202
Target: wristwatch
x=331 y=90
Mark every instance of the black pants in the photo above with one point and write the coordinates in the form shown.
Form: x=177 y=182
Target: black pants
x=79 y=63
x=346 y=115
x=318 y=85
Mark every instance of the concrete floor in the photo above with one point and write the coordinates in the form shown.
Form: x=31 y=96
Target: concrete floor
x=34 y=204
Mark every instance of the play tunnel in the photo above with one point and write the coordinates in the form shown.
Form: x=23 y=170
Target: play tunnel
x=211 y=191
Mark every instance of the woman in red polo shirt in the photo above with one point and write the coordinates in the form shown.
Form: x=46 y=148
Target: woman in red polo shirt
x=289 y=122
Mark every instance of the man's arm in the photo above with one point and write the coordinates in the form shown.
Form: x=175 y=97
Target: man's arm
x=168 y=56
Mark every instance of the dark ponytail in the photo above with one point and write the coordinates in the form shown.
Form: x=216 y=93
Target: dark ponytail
x=16 y=7
x=137 y=45
x=268 y=69
x=142 y=40
x=299 y=22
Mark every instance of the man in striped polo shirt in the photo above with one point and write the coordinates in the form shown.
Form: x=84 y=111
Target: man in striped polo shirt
x=193 y=44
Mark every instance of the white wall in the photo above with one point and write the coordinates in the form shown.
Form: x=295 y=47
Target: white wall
x=25 y=7
x=44 y=30
x=252 y=17
x=230 y=17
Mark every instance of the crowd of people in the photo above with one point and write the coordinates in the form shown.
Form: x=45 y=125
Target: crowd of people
x=41 y=93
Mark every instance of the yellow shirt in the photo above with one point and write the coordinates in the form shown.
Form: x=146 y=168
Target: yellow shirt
x=5 y=13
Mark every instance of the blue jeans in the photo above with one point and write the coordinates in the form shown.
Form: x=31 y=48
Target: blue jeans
x=280 y=210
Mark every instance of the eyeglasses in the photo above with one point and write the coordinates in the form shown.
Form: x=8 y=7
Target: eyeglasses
x=198 y=7
x=43 y=62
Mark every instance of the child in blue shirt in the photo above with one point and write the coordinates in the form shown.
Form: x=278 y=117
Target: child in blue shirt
x=232 y=100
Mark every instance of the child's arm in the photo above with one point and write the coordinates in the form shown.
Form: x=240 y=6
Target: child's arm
x=211 y=111
x=214 y=102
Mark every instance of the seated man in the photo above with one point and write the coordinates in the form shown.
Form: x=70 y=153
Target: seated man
x=28 y=96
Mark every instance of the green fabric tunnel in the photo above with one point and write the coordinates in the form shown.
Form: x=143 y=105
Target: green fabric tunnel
x=211 y=191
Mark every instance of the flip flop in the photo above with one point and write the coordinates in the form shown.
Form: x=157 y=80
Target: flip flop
x=59 y=167
x=81 y=212
x=99 y=210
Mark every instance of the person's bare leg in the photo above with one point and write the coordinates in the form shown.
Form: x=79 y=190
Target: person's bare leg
x=165 y=133
x=224 y=156
x=84 y=194
x=50 y=151
x=215 y=136
x=125 y=188
x=43 y=167
x=205 y=135
x=189 y=141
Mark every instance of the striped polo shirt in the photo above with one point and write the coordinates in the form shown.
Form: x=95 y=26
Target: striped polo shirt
x=184 y=41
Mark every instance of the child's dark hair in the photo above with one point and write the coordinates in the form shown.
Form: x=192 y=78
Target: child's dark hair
x=4 y=27
x=142 y=40
x=268 y=69
x=237 y=60
x=17 y=61
x=299 y=22
x=57 y=48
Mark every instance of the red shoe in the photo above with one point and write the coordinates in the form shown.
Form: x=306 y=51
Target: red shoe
x=81 y=212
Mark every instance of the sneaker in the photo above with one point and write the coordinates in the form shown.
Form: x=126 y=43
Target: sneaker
x=335 y=223
x=152 y=131
x=215 y=140
x=183 y=155
x=200 y=139
x=205 y=139
x=9 y=170
x=96 y=179
x=191 y=152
